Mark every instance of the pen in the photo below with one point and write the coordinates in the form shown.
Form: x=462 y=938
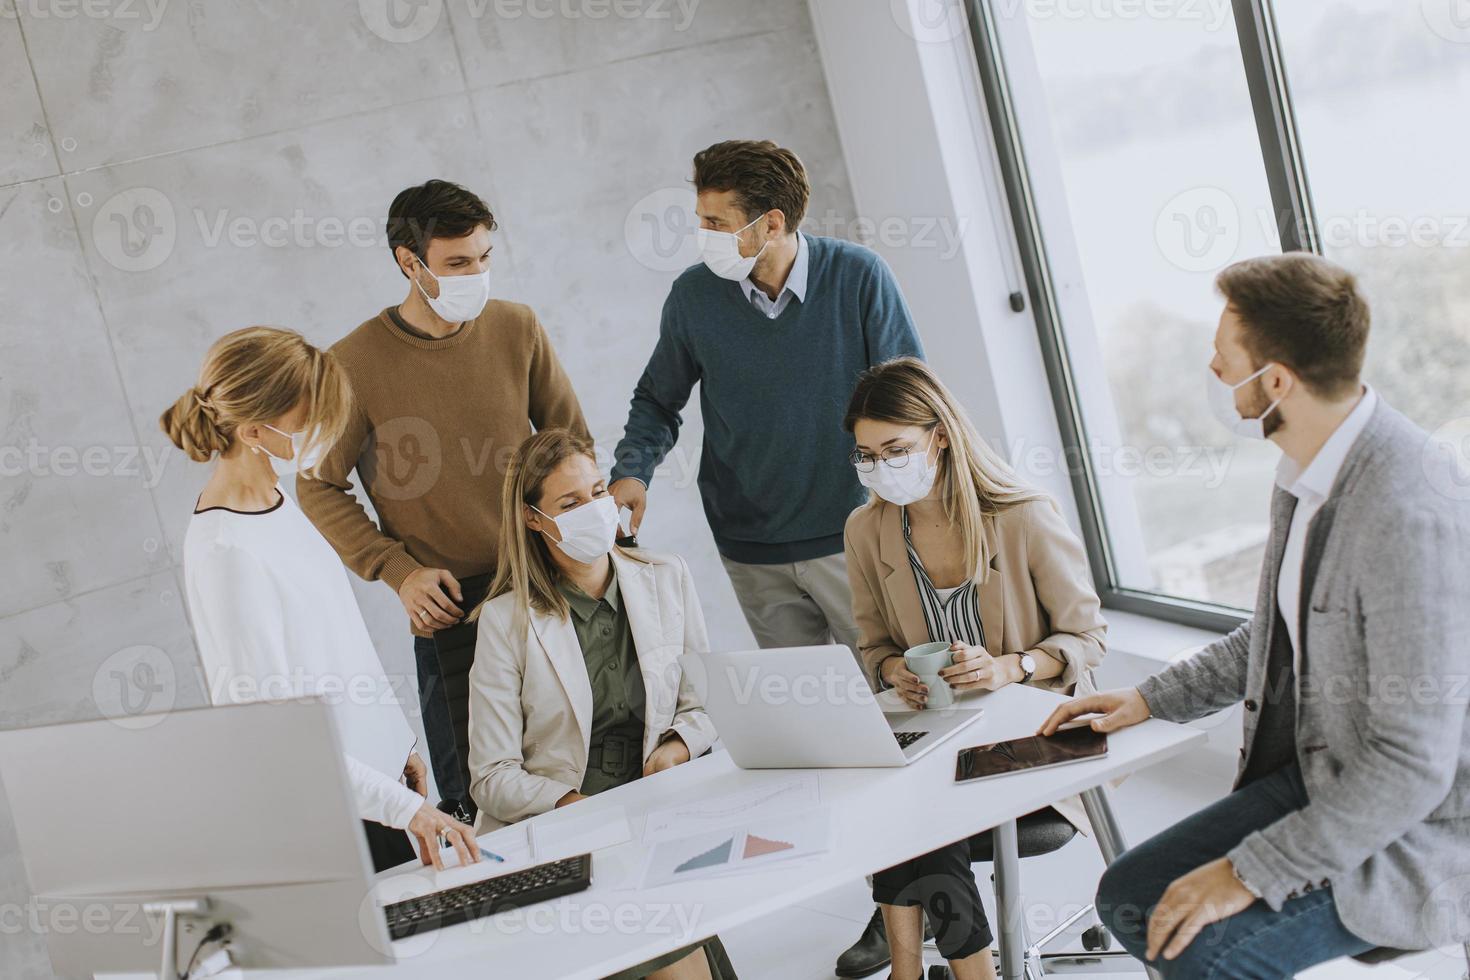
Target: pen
x=491 y=855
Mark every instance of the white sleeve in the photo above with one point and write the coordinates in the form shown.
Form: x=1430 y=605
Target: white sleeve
x=238 y=624
x=381 y=798
x=242 y=646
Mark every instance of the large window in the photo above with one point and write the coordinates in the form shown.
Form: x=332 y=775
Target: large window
x=1148 y=145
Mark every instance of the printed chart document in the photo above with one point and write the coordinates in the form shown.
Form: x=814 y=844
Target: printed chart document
x=565 y=833
x=798 y=794
x=739 y=849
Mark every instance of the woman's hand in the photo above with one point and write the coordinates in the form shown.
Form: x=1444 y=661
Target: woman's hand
x=429 y=824
x=975 y=670
x=896 y=674
x=416 y=775
x=670 y=752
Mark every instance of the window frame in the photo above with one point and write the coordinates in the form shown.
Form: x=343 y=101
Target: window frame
x=1291 y=199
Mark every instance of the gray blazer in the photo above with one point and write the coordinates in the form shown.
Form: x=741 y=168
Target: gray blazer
x=1382 y=732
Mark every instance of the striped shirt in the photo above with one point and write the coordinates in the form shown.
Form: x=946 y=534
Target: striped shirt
x=951 y=615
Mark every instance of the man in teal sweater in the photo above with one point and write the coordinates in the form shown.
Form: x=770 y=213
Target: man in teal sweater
x=775 y=326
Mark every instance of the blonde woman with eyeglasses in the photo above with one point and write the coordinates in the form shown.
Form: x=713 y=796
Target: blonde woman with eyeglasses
x=953 y=548
x=273 y=611
x=578 y=684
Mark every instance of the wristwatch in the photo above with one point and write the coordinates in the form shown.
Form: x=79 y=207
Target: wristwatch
x=1028 y=667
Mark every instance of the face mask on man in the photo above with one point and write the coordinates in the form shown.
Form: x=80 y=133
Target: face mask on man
x=903 y=483
x=460 y=298
x=587 y=532
x=1221 y=396
x=282 y=466
x=720 y=251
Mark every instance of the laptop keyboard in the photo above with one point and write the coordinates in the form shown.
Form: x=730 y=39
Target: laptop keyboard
x=905 y=739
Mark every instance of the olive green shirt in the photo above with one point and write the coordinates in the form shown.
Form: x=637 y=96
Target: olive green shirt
x=615 y=750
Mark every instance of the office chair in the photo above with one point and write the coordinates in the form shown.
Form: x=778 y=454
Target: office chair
x=1032 y=835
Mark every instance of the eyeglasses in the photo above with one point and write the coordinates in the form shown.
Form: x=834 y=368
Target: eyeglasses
x=895 y=456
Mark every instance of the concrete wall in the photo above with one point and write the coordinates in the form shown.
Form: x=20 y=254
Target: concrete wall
x=172 y=170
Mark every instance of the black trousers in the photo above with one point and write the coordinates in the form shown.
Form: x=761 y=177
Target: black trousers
x=388 y=846
x=943 y=884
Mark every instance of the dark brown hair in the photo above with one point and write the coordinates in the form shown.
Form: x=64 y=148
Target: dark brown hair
x=434 y=209
x=1303 y=312
x=763 y=176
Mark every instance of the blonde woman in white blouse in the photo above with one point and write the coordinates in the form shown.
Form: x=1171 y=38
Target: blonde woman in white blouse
x=273 y=611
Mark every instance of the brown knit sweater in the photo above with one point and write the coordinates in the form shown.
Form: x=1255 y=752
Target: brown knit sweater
x=432 y=433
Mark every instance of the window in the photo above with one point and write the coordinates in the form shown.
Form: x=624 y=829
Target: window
x=1145 y=147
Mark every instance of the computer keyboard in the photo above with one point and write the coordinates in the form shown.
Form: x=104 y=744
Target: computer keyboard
x=905 y=739
x=480 y=898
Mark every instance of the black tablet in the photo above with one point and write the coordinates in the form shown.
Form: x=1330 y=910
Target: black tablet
x=1033 y=752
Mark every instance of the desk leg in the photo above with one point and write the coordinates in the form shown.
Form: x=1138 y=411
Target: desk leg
x=1109 y=834
x=1006 y=852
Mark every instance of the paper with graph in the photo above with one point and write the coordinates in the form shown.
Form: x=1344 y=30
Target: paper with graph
x=732 y=850
x=797 y=794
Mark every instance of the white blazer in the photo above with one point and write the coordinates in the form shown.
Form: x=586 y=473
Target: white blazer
x=531 y=701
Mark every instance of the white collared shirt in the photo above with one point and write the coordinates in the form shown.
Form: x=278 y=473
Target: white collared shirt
x=795 y=285
x=1311 y=488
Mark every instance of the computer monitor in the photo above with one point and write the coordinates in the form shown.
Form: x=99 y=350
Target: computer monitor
x=245 y=806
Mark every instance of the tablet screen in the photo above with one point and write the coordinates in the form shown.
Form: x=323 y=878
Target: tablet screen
x=1033 y=752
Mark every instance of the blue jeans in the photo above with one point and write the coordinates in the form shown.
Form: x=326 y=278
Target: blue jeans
x=1255 y=944
x=438 y=729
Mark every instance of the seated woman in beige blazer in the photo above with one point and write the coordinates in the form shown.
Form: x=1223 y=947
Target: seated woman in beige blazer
x=577 y=685
x=953 y=548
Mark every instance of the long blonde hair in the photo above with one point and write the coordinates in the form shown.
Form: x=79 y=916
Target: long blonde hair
x=974 y=481
x=526 y=567
x=254 y=376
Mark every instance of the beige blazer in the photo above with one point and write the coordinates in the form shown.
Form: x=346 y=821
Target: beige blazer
x=531 y=701
x=1036 y=596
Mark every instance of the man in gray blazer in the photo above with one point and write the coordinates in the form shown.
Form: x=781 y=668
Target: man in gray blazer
x=1348 y=829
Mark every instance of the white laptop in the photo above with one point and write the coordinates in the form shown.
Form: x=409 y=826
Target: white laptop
x=812 y=708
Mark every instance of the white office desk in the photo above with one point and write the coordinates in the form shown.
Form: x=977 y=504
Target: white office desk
x=880 y=817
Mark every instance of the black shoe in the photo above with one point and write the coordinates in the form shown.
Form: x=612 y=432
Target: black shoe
x=870 y=953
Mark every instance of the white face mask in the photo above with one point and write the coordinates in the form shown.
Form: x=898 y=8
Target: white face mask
x=903 y=485
x=587 y=532
x=720 y=251
x=460 y=298
x=1221 y=395
x=282 y=466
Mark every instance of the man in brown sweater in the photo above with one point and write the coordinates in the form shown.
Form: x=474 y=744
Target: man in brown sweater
x=447 y=384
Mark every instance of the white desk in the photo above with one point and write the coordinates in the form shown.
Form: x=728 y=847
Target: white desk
x=880 y=817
